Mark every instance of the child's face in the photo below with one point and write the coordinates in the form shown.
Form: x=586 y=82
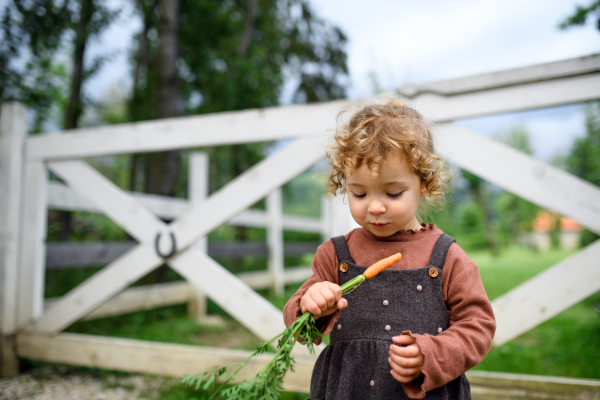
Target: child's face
x=387 y=203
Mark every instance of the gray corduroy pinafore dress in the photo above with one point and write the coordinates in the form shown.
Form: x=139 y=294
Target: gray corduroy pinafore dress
x=355 y=363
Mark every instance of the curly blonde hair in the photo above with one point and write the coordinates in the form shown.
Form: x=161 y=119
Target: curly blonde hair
x=377 y=131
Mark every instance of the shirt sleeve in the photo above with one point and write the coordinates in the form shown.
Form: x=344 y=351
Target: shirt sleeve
x=324 y=267
x=472 y=326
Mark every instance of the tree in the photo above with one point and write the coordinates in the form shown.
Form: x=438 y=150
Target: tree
x=580 y=15
x=234 y=55
x=584 y=157
x=32 y=34
x=516 y=214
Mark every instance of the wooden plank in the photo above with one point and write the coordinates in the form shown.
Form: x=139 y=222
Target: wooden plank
x=13 y=131
x=116 y=204
x=198 y=186
x=63 y=255
x=547 y=294
x=529 y=96
x=138 y=298
x=573 y=387
x=275 y=241
x=175 y=360
x=98 y=289
x=302 y=121
x=256 y=183
x=510 y=77
x=147 y=297
x=521 y=174
x=241 y=302
x=62 y=197
x=197 y=192
x=274 y=123
x=31 y=244
x=147 y=357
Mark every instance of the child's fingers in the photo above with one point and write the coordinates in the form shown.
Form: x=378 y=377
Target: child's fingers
x=405 y=378
x=342 y=303
x=403 y=340
x=405 y=362
x=328 y=296
x=411 y=351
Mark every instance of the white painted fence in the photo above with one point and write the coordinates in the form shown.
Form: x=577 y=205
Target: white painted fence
x=23 y=210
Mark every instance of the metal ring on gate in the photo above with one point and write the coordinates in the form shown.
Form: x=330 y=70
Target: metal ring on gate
x=173 y=245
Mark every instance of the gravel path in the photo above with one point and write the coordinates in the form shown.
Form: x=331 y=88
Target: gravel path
x=62 y=383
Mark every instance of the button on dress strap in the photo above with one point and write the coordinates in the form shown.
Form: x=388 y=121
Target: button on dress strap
x=341 y=250
x=440 y=250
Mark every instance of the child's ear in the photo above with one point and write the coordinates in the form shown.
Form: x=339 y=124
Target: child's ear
x=423 y=189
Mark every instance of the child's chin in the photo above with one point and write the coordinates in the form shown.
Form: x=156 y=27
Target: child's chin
x=380 y=232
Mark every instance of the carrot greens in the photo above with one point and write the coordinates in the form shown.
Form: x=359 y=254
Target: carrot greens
x=267 y=383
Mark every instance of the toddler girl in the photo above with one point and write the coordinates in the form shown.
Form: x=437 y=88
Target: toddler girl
x=412 y=331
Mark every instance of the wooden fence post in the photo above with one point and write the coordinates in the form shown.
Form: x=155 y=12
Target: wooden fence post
x=275 y=241
x=198 y=192
x=13 y=132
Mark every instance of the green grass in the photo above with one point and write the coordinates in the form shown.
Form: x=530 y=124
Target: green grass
x=566 y=345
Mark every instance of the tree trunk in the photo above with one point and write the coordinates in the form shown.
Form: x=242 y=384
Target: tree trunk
x=73 y=110
x=163 y=169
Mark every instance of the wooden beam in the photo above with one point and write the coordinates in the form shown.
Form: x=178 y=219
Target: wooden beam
x=275 y=241
x=240 y=301
x=98 y=289
x=32 y=239
x=176 y=360
x=500 y=385
x=13 y=131
x=62 y=197
x=510 y=77
x=116 y=204
x=63 y=255
x=147 y=357
x=254 y=184
x=529 y=96
x=274 y=123
x=547 y=294
x=147 y=297
x=138 y=298
x=523 y=175
x=505 y=94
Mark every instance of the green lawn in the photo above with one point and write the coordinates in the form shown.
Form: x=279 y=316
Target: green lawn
x=566 y=345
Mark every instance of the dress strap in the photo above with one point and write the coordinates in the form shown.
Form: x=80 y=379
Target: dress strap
x=341 y=250
x=440 y=250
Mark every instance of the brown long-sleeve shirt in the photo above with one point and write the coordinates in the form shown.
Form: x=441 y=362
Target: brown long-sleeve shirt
x=472 y=324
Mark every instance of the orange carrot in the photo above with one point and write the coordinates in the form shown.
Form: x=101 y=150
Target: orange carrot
x=381 y=265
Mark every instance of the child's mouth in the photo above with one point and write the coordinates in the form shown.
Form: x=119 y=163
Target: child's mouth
x=379 y=226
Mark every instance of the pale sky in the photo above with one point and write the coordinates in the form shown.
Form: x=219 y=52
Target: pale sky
x=404 y=42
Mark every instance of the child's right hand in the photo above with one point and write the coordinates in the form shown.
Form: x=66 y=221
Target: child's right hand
x=322 y=298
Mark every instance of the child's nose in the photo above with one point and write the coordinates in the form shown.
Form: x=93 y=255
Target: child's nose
x=376 y=207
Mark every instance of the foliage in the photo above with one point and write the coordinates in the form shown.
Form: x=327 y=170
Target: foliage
x=584 y=157
x=516 y=214
x=580 y=16
x=269 y=381
x=236 y=55
x=30 y=70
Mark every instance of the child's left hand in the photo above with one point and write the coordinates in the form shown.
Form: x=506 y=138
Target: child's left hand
x=406 y=359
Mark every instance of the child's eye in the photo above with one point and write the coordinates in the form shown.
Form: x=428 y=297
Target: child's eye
x=397 y=194
x=359 y=196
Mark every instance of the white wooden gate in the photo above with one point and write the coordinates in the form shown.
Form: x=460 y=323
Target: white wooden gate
x=23 y=212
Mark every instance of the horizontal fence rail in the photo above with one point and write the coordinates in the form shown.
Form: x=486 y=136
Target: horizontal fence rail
x=61 y=197
x=86 y=255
